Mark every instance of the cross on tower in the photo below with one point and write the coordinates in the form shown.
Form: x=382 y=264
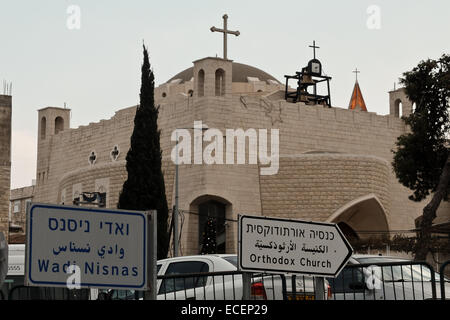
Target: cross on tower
x=356 y=73
x=314 y=48
x=225 y=32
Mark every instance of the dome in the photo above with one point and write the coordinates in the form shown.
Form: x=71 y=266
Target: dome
x=240 y=74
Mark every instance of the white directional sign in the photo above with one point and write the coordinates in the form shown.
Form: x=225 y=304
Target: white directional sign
x=281 y=245
x=108 y=248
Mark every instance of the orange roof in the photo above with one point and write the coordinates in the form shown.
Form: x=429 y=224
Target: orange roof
x=357 y=100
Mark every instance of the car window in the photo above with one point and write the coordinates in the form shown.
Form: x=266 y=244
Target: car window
x=397 y=272
x=232 y=260
x=349 y=280
x=185 y=267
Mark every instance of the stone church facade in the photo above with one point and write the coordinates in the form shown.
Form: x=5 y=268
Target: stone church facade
x=334 y=163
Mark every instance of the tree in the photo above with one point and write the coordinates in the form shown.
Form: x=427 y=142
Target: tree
x=422 y=161
x=209 y=243
x=144 y=189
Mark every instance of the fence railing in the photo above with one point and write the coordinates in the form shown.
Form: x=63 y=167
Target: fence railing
x=47 y=293
x=407 y=280
x=444 y=282
x=220 y=286
x=385 y=281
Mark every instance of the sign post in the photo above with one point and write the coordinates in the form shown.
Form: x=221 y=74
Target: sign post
x=277 y=245
x=150 y=294
x=88 y=247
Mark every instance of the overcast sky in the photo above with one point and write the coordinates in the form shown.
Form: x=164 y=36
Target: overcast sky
x=96 y=69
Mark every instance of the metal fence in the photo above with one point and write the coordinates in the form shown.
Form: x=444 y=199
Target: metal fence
x=380 y=281
x=47 y=293
x=386 y=281
x=444 y=282
x=227 y=285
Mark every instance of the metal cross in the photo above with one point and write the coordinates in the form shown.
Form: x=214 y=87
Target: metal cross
x=356 y=73
x=225 y=32
x=314 y=48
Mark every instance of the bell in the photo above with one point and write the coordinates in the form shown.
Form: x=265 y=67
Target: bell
x=307 y=79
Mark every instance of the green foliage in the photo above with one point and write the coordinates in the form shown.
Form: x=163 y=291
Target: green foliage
x=401 y=243
x=421 y=154
x=144 y=189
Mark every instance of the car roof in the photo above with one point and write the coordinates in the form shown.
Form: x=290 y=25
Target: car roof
x=210 y=256
x=361 y=256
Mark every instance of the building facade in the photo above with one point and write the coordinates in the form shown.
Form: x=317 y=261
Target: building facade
x=334 y=164
x=5 y=160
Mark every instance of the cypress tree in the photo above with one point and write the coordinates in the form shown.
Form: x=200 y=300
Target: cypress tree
x=144 y=189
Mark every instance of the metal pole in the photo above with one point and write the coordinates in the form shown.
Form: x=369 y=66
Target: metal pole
x=175 y=214
x=150 y=294
x=246 y=285
x=319 y=283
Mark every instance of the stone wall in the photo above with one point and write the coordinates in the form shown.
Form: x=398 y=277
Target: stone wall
x=5 y=160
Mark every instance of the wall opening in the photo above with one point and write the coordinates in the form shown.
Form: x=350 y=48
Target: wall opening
x=220 y=82
x=215 y=211
x=398 y=108
x=59 y=125
x=201 y=83
x=362 y=218
x=43 y=127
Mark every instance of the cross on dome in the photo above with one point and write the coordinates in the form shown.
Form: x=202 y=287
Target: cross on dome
x=225 y=32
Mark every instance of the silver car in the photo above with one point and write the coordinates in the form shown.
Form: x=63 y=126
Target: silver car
x=371 y=277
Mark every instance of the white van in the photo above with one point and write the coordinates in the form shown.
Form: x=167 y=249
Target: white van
x=14 y=289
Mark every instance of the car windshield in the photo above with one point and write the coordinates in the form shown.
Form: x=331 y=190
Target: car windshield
x=232 y=260
x=400 y=273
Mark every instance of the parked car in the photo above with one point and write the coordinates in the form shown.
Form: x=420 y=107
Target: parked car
x=228 y=287
x=384 y=278
x=174 y=282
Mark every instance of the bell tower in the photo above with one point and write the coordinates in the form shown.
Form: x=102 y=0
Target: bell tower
x=212 y=77
x=51 y=121
x=399 y=103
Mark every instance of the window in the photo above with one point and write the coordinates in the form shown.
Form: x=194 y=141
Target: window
x=59 y=125
x=177 y=284
x=43 y=127
x=16 y=208
x=201 y=83
x=220 y=82
x=232 y=260
x=349 y=280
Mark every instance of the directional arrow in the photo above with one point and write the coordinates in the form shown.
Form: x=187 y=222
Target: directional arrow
x=281 y=245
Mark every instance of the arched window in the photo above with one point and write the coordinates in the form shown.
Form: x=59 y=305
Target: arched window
x=398 y=108
x=59 y=124
x=201 y=83
x=220 y=82
x=212 y=211
x=43 y=127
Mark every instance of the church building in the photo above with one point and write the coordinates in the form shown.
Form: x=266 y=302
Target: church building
x=334 y=163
